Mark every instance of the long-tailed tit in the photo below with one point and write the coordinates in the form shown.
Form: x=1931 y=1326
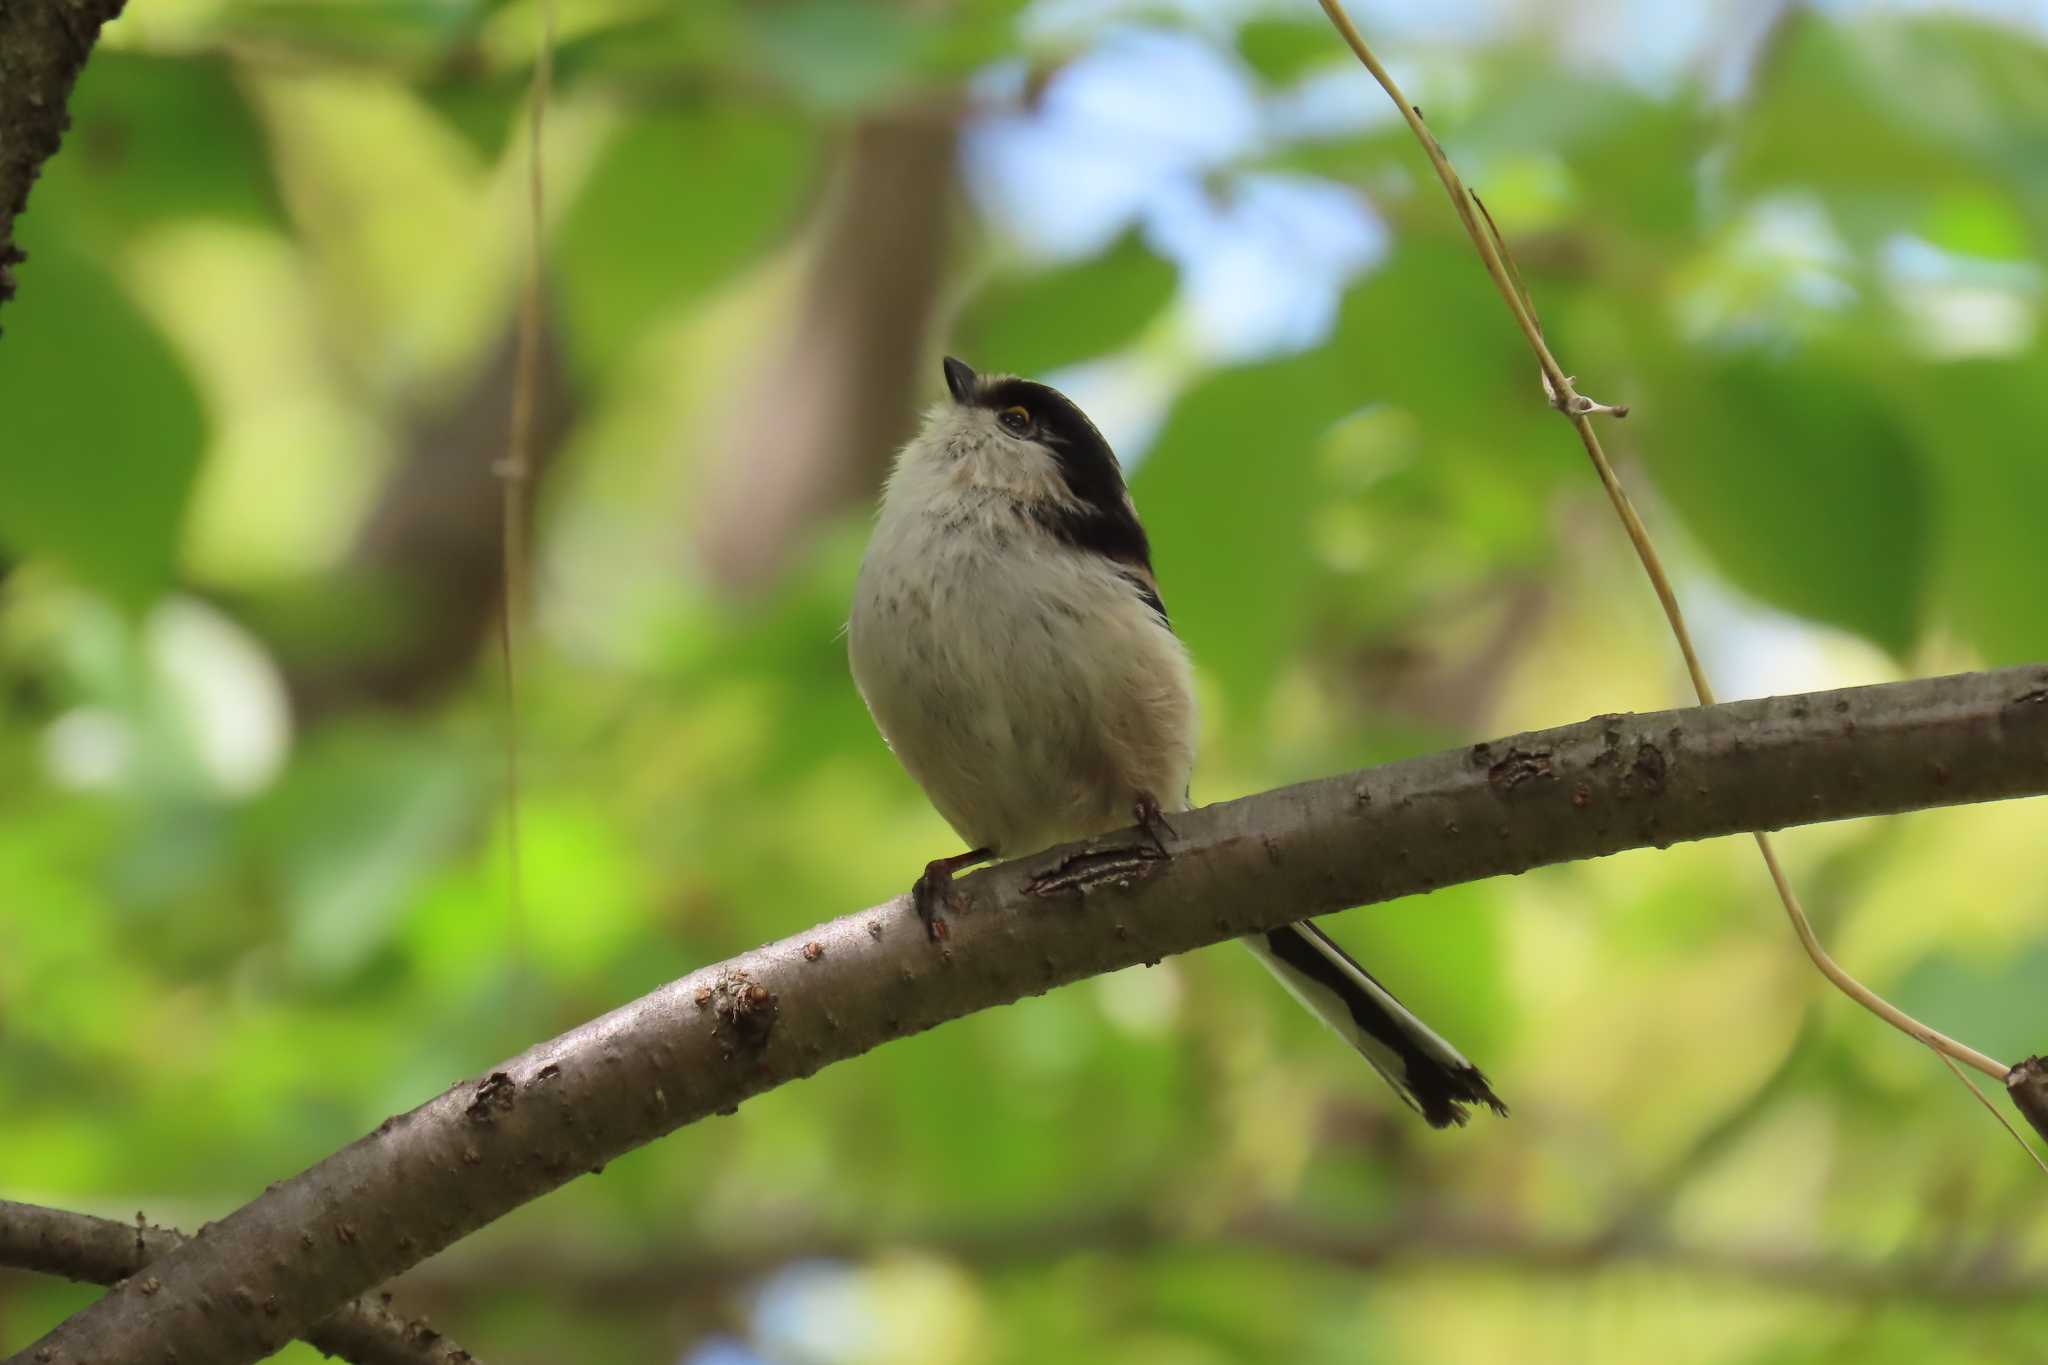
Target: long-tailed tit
x=1010 y=641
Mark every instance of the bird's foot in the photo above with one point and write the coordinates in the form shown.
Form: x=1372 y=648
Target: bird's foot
x=932 y=894
x=1152 y=820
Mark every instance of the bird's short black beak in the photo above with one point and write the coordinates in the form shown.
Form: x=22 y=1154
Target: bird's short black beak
x=960 y=379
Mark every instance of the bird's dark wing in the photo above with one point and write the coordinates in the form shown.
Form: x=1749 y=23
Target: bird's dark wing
x=1148 y=592
x=1114 y=534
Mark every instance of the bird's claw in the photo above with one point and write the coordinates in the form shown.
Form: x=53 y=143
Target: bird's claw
x=931 y=896
x=1152 y=820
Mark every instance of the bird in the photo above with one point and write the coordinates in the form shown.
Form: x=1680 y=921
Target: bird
x=1009 y=638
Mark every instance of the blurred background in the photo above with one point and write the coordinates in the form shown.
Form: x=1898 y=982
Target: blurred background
x=253 y=869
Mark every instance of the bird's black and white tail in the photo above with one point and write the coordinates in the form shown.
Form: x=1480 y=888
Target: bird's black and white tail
x=1424 y=1070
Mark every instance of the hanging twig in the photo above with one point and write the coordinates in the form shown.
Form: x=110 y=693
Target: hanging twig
x=516 y=469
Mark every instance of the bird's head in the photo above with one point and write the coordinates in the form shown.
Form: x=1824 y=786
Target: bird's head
x=1022 y=437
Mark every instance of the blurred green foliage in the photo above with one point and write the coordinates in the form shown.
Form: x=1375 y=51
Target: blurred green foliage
x=245 y=912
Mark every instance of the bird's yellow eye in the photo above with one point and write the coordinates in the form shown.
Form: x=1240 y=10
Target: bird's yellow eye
x=1016 y=418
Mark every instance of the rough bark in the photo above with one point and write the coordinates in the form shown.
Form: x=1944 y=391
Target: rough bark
x=92 y=1250
x=701 y=1045
x=2027 y=1083
x=43 y=47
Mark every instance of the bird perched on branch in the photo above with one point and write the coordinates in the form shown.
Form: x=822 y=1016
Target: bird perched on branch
x=1011 y=643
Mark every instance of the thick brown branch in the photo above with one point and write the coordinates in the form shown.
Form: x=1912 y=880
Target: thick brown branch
x=43 y=47
x=93 y=1250
x=701 y=1045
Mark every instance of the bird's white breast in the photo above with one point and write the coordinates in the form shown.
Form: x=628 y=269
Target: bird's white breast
x=1023 y=683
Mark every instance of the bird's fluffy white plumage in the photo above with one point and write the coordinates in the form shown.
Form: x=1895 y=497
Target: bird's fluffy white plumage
x=1026 y=686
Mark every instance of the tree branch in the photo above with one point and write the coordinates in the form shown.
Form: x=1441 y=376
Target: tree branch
x=701 y=1045
x=93 y=1250
x=43 y=47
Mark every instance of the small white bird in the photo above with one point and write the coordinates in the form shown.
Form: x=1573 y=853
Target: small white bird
x=1010 y=641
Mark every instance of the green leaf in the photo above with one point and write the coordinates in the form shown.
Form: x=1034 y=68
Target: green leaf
x=394 y=31
x=1662 y=145
x=1032 y=323
x=481 y=109
x=156 y=138
x=1281 y=49
x=676 y=42
x=841 y=56
x=838 y=54
x=678 y=203
x=834 y=57
x=103 y=430
x=1228 y=494
x=1989 y=1003
x=1981 y=425
x=1976 y=223
x=1537 y=117
x=1427 y=331
x=1800 y=482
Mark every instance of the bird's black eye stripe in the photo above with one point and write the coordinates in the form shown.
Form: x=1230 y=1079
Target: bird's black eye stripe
x=1103 y=522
